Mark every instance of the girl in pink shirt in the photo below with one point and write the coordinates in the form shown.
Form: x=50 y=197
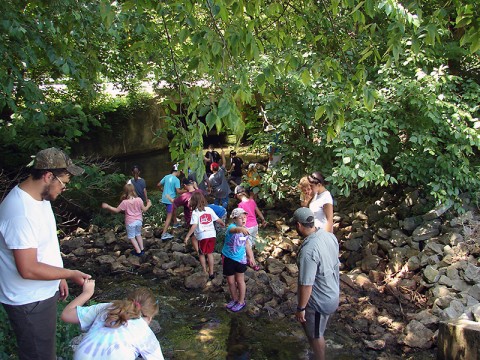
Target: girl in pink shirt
x=133 y=208
x=248 y=204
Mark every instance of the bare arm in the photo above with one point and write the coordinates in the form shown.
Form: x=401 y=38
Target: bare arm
x=29 y=267
x=190 y=232
x=260 y=215
x=303 y=295
x=145 y=208
x=328 y=210
x=111 y=208
x=251 y=258
x=69 y=314
x=220 y=221
x=224 y=162
x=239 y=229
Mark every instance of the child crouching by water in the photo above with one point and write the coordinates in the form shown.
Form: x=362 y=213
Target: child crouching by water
x=202 y=226
x=115 y=331
x=134 y=209
x=236 y=253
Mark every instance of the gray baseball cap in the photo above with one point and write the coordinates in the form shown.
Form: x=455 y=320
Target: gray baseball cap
x=53 y=158
x=303 y=215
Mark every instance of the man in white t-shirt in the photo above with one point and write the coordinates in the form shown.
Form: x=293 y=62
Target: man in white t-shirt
x=32 y=277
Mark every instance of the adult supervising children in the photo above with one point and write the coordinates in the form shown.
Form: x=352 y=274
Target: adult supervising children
x=321 y=203
x=318 y=279
x=32 y=277
x=171 y=188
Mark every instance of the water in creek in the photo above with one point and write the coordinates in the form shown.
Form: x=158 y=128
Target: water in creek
x=155 y=165
x=195 y=325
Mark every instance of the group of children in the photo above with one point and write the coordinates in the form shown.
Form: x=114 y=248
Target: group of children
x=120 y=329
x=203 y=220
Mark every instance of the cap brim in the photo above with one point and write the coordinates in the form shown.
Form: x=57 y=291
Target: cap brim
x=75 y=170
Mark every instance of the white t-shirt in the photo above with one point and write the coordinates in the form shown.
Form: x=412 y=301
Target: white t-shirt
x=26 y=223
x=205 y=223
x=126 y=342
x=316 y=205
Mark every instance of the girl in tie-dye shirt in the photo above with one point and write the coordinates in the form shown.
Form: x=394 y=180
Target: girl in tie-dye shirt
x=115 y=331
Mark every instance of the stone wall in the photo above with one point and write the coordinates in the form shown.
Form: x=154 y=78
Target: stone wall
x=133 y=135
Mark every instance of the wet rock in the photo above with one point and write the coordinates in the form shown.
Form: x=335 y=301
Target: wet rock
x=196 y=281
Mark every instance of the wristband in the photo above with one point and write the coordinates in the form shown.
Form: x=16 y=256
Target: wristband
x=299 y=309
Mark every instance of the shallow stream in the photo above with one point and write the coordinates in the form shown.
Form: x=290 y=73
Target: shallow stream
x=195 y=325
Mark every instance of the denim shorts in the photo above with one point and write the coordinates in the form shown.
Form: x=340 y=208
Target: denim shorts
x=134 y=229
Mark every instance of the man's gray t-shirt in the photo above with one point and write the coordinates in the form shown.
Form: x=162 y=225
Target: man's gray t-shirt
x=319 y=267
x=219 y=184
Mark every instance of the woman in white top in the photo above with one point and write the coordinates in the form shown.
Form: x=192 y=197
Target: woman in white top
x=321 y=203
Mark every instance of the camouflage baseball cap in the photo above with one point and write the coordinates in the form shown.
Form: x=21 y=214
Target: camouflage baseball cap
x=53 y=158
x=237 y=212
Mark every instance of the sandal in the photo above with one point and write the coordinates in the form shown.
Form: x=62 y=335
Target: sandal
x=238 y=307
x=231 y=304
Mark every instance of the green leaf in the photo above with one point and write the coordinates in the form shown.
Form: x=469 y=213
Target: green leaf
x=319 y=112
x=211 y=119
x=223 y=108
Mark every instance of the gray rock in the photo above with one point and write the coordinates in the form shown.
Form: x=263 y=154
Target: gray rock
x=432 y=248
x=370 y=262
x=71 y=244
x=454 y=311
x=476 y=312
x=462 y=219
x=444 y=280
x=452 y=239
x=275 y=266
x=474 y=291
x=105 y=259
x=437 y=212
x=411 y=223
x=384 y=233
x=472 y=274
x=110 y=237
x=196 y=281
x=417 y=335
x=353 y=244
x=398 y=238
x=431 y=274
x=427 y=230
x=413 y=263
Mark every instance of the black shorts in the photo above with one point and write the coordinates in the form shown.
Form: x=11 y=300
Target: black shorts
x=230 y=267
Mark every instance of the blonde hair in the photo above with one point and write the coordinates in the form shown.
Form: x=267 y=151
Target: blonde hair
x=303 y=184
x=138 y=303
x=128 y=192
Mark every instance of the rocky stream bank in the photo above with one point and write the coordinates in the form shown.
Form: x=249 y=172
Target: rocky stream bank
x=405 y=267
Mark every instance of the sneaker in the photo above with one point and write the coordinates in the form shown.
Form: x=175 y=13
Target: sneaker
x=166 y=236
x=238 y=306
x=231 y=304
x=177 y=225
x=212 y=276
x=133 y=252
